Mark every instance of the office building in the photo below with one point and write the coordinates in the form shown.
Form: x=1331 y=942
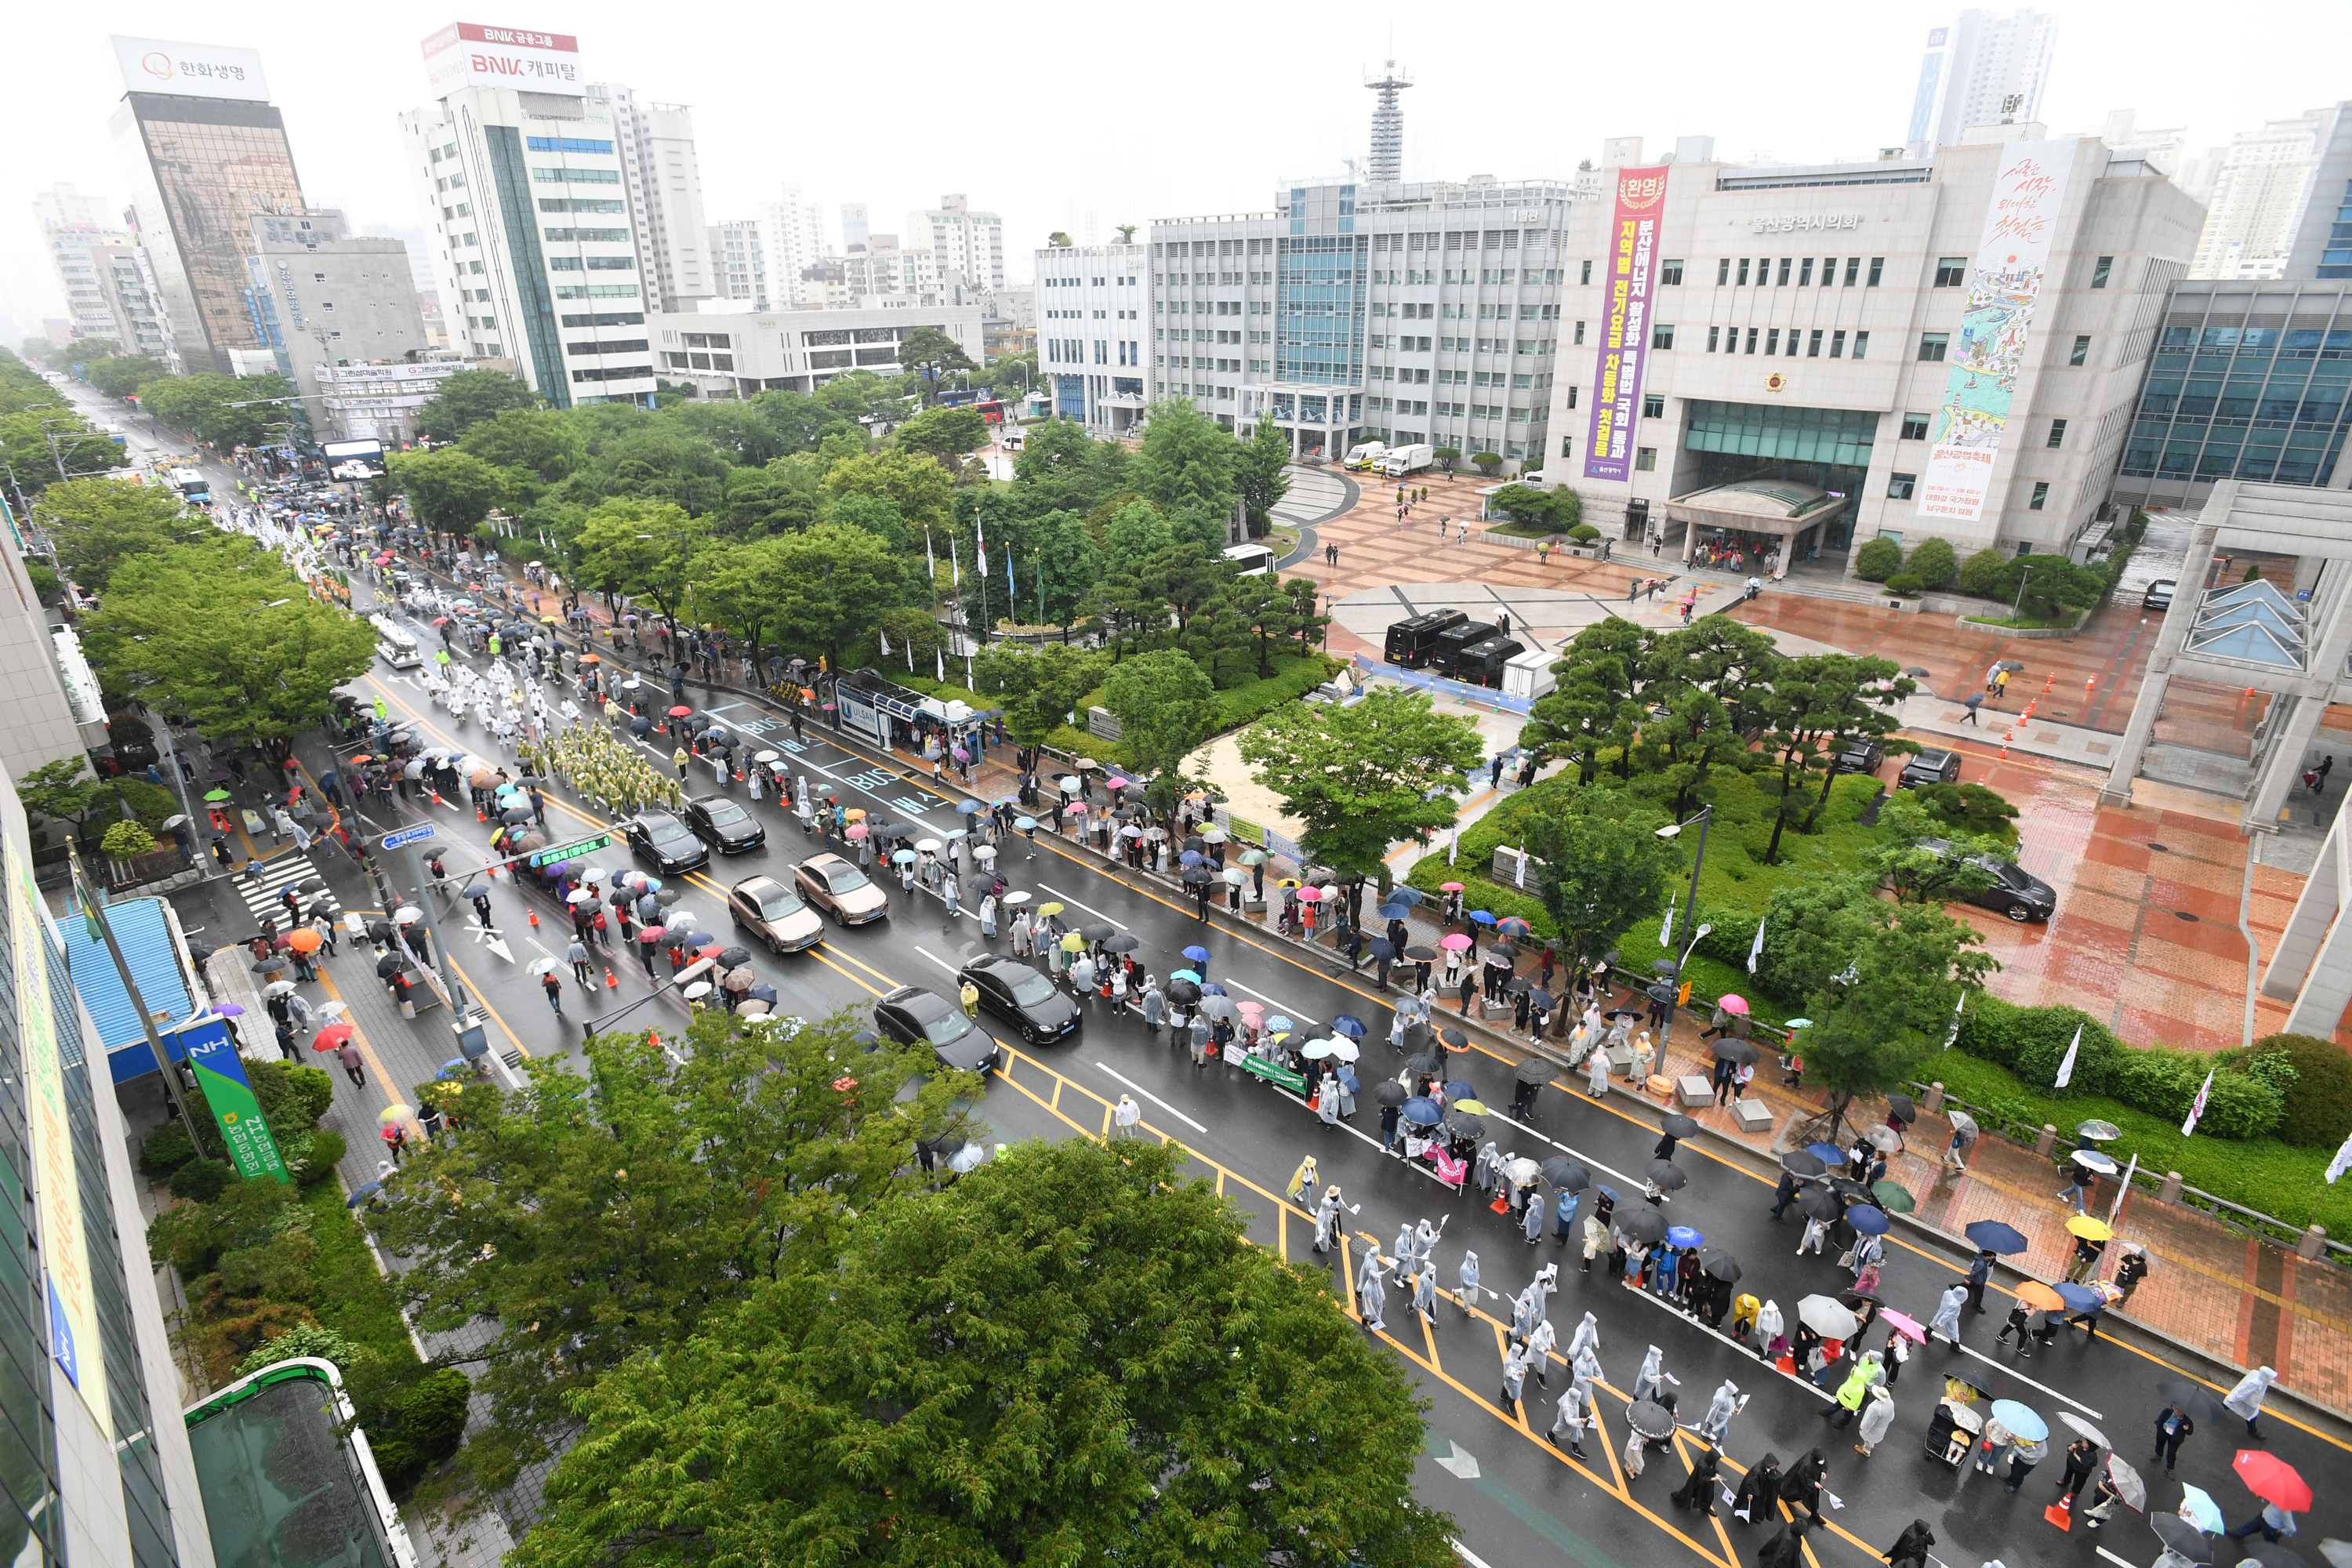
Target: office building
x=1979 y=68
x=323 y=296
x=966 y=247
x=72 y=226
x=730 y=352
x=2322 y=240
x=525 y=190
x=1092 y=334
x=204 y=151
x=741 y=263
x=854 y=226
x=1790 y=360
x=665 y=185
x=50 y=704
x=101 y=1468
x=2261 y=191
x=367 y=400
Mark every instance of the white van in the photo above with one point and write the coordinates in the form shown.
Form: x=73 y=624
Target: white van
x=1367 y=454
x=394 y=643
x=1250 y=560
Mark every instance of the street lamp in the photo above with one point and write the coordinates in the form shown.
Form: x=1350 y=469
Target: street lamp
x=1673 y=830
x=2024 y=576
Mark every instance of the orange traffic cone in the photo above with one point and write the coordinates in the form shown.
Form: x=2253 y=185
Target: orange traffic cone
x=534 y=920
x=480 y=816
x=611 y=984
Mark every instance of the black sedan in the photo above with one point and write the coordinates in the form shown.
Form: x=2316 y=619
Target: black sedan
x=669 y=844
x=724 y=826
x=1932 y=766
x=1863 y=756
x=2014 y=892
x=1024 y=998
x=912 y=1015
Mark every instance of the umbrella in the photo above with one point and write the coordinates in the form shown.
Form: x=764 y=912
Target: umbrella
x=1993 y=1236
x=1186 y=975
x=1395 y=911
x=2013 y=665
x=1802 y=1162
x=2182 y=1538
x=1684 y=1236
x=476 y=891
x=652 y=935
x=967 y=1158
x=216 y=796
x=1885 y=1139
x=2095 y=1161
x=2197 y=1507
x=1074 y=942
x=1643 y=1224
x=1016 y=898
x=407 y=914
x=388 y=965
x=1867 y=1220
x=1512 y=925
x=1450 y=887
x=393 y=1112
x=1678 y=1125
x=1423 y=1063
x=1899 y=1105
x=543 y=966
x=1219 y=1008
x=2081 y=1298
x=2088 y=1228
x=2272 y=1480
x=1197 y=955
x=1463 y=1124
x=1406 y=895
x=1893 y=1198
x=1732 y=1004
x=1388 y=1092
x=1312 y=895
x=1826 y=1318
x=1453 y=1039
x=2040 y=1297
x=1120 y=944
x=1719 y=1265
x=1346 y=1024
x=1420 y=1110
x=1482 y=917
x=1253 y=857
x=1420 y=952
x=1191 y=857
x=1469 y=1107
x=1565 y=1174
x=1736 y=1050
x=1454 y=942
x=1650 y=1418
x=1518 y=983
x=1456 y=1092
x=1277 y=1025
x=1315 y=1050
x=1184 y=992
x=2199 y=1402
x=324 y=1009
x=2026 y=1423
x=735 y=957
x=1829 y=1154
x=1098 y=931
x=1905 y=1324
x=332 y=1035
x=2272 y=1554
x=1535 y=1069
x=580 y=896
x=1818 y=1203
x=2083 y=1429
x=1520 y=1171
x=304 y=939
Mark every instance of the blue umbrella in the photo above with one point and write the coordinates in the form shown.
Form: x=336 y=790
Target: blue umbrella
x=2081 y=1298
x=650 y=884
x=1684 y=1236
x=1347 y=1023
x=1993 y=1236
x=1482 y=917
x=1025 y=824
x=1191 y=857
x=1381 y=947
x=1278 y=1025
x=1405 y=895
x=1867 y=1220
x=1827 y=1154
x=1609 y=1193
x=1210 y=988
x=697 y=939
x=1458 y=1090
x=972 y=808
x=903 y=856
x=763 y=991
x=361 y=1195
x=2025 y=1422
x=1420 y=1110
x=1542 y=999
x=1197 y=955
x=1186 y=975
x=1395 y=911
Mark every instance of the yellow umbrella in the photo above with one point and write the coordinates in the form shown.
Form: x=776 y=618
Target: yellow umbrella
x=1470 y=1107
x=2089 y=1230
x=395 y=1112
x=1048 y=908
x=1074 y=942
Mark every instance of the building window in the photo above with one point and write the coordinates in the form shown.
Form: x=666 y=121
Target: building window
x=1584 y=274
x=1852 y=269
x=1645 y=459
x=1814 y=345
x=1571 y=393
x=1950 y=271
x=1670 y=272
x=1714 y=337
x=1723 y=271
x=1914 y=428
x=1743 y=271
x=1829 y=270
x=1900 y=486
x=2100 y=272
x=1861 y=345
x=1580 y=332
x=2041 y=494
x=1753 y=333
x=1784 y=270
x=1568 y=446
x=1877 y=268
x=1662 y=336
x=1933 y=346
x=2082 y=354
x=1772 y=340
x=1837 y=345
x=1805 y=273
x=2057 y=434
x=1653 y=406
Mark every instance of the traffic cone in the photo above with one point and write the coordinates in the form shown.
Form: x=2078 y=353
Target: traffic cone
x=611 y=982
x=534 y=920
x=480 y=816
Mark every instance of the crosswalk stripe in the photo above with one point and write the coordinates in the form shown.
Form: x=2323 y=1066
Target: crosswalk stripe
x=261 y=894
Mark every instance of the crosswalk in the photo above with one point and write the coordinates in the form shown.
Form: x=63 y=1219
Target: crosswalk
x=261 y=894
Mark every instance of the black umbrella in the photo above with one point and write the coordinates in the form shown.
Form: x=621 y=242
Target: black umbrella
x=1798 y=1163
x=1719 y=1265
x=1565 y=1174
x=1535 y=1069
x=1668 y=1176
x=476 y=891
x=1194 y=875
x=2195 y=1399
x=1905 y=1112
x=388 y=965
x=1121 y=944
x=734 y=956
x=1388 y=1092
x=1423 y=1063
x=1420 y=952
x=1650 y=1418
x=1454 y=1038
x=1504 y=948
x=379 y=929
x=515 y=816
x=1463 y=1124
x=311 y=885
x=1184 y=992
x=1380 y=947
x=1736 y=1050
x=2182 y=1537
x=1660 y=994
x=1848 y=1187
x=2271 y=1555
x=1643 y=1224
x=1519 y=983
x=1678 y=1125
x=1099 y=931
x=1821 y=1203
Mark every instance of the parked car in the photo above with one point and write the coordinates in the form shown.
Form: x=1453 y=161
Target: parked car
x=723 y=825
x=1863 y=756
x=2159 y=596
x=668 y=843
x=841 y=890
x=913 y=1016
x=775 y=914
x=1929 y=767
x=2015 y=893
x=1024 y=998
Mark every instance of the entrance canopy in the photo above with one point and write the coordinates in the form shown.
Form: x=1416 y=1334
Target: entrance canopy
x=1780 y=508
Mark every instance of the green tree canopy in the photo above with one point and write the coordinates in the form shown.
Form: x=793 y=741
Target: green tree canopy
x=837 y=584
x=1603 y=866
x=1261 y=477
x=1165 y=705
x=2049 y=587
x=1189 y=467
x=452 y=491
x=468 y=397
x=222 y=410
x=58 y=791
x=645 y=547
x=929 y=354
x=916 y=484
x=784 y=497
x=540 y=441
x=1060 y=467
x=1038 y=690
x=1362 y=777
x=946 y=434
x=119 y=377
x=98 y=524
x=965 y=1381
x=739 y=432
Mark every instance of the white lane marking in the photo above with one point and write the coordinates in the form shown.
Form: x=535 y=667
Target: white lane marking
x=1472 y=1560
x=2118 y=1562
x=1088 y=908
x=935 y=958
x=1151 y=1097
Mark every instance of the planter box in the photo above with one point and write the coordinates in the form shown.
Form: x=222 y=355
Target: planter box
x=1693 y=1090
x=1751 y=1116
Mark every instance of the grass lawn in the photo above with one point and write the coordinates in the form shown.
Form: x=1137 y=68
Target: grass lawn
x=2262 y=1174
x=1527 y=530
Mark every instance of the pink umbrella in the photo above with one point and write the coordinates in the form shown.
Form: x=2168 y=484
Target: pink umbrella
x=1076 y=808
x=1455 y=942
x=1909 y=1328
x=1731 y=1003
x=1450 y=887
x=1309 y=895
x=1116 y=782
x=1251 y=1009
x=855 y=830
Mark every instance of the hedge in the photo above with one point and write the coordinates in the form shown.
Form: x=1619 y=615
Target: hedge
x=2163 y=1082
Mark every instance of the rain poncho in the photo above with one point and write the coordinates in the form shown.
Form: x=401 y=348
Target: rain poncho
x=1946 y=1320
x=1586 y=1338
x=1719 y=1412
x=2246 y=1399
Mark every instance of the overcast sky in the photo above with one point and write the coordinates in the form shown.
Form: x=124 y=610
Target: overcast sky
x=1079 y=116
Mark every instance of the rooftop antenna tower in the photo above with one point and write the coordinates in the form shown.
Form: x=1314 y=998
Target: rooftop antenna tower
x=1386 y=165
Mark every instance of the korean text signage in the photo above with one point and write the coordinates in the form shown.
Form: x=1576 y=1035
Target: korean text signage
x=57 y=1174
x=466 y=54
x=246 y=1135
x=191 y=70
x=2004 y=285
x=1625 y=324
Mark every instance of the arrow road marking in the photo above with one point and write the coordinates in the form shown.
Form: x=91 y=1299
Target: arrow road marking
x=1459 y=1461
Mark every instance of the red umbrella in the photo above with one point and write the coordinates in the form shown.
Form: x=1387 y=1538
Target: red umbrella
x=680 y=712
x=2272 y=1480
x=649 y=934
x=334 y=1034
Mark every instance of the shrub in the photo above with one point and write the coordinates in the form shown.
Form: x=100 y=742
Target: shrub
x=1584 y=533
x=2318 y=1112
x=1904 y=582
x=2031 y=1041
x=125 y=839
x=201 y=1181
x=433 y=1416
x=46 y=586
x=165 y=1151
x=309 y=1340
x=1446 y=456
x=1488 y=463
x=2252 y=573
x=1980 y=575
x=1567 y=508
x=1970 y=807
x=1877 y=560
x=1521 y=503
x=312 y=1156
x=1934 y=564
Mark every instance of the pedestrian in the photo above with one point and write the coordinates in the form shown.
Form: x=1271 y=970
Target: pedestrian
x=1859 y=1380
x=1569 y=1416
x=2024 y=1453
x=577 y=955
x=1727 y=1402
x=1327 y=1218
x=481 y=902
x=1424 y=1295
x=1786 y=1550
x=1816 y=1234
x=1768 y=1330
x=554 y=989
x=1533 y=1223
x=1697 y=1490
x=1759 y=1488
x=1653 y=1377
x=2173 y=1429
x=2081 y=1457
x=1972 y=702
x=1539 y=1344
x=2273 y=1521
x=1124 y=1116
x=1467 y=1295
x=1801 y=1487
x=1301 y=1190
x=1979 y=1270
x=2246 y=1399
x=2019 y=1316
x=1910 y=1548
x=1370 y=1298
x=395 y=1138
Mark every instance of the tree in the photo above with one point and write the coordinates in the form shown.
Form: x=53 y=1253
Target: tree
x=222 y=410
x=930 y=353
x=1188 y=468
x=1927 y=860
x=587 y=1217
x=1599 y=701
x=1488 y=463
x=799 y=420
x=1058 y=240
x=1165 y=705
x=967 y=1383
x=639 y=547
x=1060 y=467
x=121 y=377
x=97 y=524
x=1855 y=700
x=1934 y=564
x=1879 y=1015
x=451 y=492
x=737 y=584
x=917 y=485
x=1362 y=777
x=1445 y=457
x=1522 y=503
x=837 y=584
x=1878 y=560
x=784 y=497
x=1041 y=689
x=1605 y=869
x=540 y=440
x=946 y=434
x=737 y=431
x=1261 y=476
x=661 y=459
x=2050 y=587
x=57 y=791
x=1141 y=596
x=468 y=397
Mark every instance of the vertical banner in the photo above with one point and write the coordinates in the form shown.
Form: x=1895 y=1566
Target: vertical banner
x=2004 y=285
x=57 y=1173
x=1625 y=324
x=238 y=1114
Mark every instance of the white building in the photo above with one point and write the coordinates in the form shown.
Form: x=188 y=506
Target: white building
x=965 y=246
x=72 y=226
x=880 y=268
x=323 y=296
x=1851 y=339
x=665 y=185
x=731 y=352
x=1979 y=68
x=1093 y=335
x=791 y=241
x=740 y=262
x=526 y=192
x=2260 y=193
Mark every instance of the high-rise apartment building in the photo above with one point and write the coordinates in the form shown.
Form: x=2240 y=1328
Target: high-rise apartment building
x=72 y=226
x=2322 y=241
x=1979 y=68
x=204 y=151
x=2260 y=189
x=966 y=247
x=1093 y=336
x=127 y=272
x=523 y=183
x=665 y=186
x=740 y=262
x=791 y=241
x=881 y=270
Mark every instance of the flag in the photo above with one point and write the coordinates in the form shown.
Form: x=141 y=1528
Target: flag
x=940 y=664
x=1453 y=844
x=1756 y=948
x=955 y=564
x=910 y=658
x=930 y=560
x=2341 y=1163
x=1954 y=1033
x=1010 y=587
x=980 y=546
x=1666 y=926
x=93 y=898
x=886 y=643
x=2197 y=1109
x=2066 y=1064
